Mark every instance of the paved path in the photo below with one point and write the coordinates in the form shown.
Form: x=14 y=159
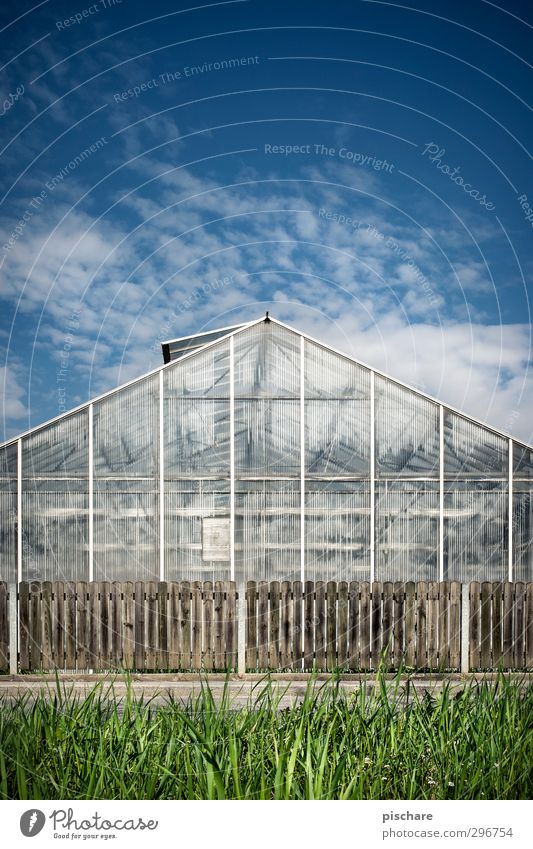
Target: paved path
x=290 y=689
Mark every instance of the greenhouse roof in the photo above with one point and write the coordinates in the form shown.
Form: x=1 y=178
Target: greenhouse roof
x=181 y=349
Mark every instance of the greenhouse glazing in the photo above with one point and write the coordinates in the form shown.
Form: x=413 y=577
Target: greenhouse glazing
x=259 y=453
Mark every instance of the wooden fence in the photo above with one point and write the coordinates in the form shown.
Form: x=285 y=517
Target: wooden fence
x=285 y=626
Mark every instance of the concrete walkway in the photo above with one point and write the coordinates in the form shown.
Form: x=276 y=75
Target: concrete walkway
x=289 y=688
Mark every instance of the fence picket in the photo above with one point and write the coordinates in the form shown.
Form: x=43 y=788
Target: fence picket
x=365 y=626
x=273 y=652
x=474 y=618
x=46 y=625
x=128 y=626
x=139 y=609
x=162 y=625
x=209 y=644
x=342 y=626
x=285 y=625
x=320 y=621
x=58 y=624
x=455 y=625
x=196 y=605
x=82 y=634
x=4 y=626
x=251 y=625
x=104 y=625
x=519 y=633
x=70 y=626
x=309 y=624
x=297 y=602
x=230 y=635
x=262 y=655
x=529 y=626
x=387 y=626
x=331 y=625
x=353 y=627
x=433 y=624
x=219 y=625
x=491 y=624
x=410 y=624
x=35 y=626
x=24 y=626
x=421 y=625
x=185 y=637
x=444 y=616
x=376 y=625
x=174 y=625
x=398 y=624
x=507 y=626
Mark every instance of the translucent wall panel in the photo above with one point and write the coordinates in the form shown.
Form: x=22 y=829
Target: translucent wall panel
x=407 y=531
x=59 y=450
x=407 y=432
x=126 y=531
x=197 y=517
x=8 y=513
x=197 y=437
x=126 y=427
x=55 y=530
x=204 y=375
x=476 y=531
x=522 y=532
x=337 y=531
x=470 y=449
x=267 y=531
x=267 y=437
x=337 y=414
x=522 y=461
x=267 y=362
x=55 y=501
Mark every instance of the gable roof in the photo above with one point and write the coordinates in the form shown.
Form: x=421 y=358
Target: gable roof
x=234 y=330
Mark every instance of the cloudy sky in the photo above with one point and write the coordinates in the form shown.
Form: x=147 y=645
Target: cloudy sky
x=360 y=169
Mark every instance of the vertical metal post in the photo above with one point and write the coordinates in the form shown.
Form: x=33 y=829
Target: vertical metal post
x=510 y=515
x=19 y=511
x=465 y=622
x=91 y=494
x=161 y=478
x=372 y=480
x=232 y=461
x=302 y=459
x=441 y=493
x=13 y=629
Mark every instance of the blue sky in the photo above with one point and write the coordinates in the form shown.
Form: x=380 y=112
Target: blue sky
x=361 y=169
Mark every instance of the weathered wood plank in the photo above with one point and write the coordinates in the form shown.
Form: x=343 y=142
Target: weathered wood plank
x=185 y=624
x=421 y=625
x=115 y=656
x=151 y=625
x=285 y=625
x=4 y=626
x=309 y=624
x=398 y=624
x=197 y=609
x=342 y=625
x=219 y=625
x=365 y=623
x=320 y=622
x=47 y=627
x=410 y=625
x=139 y=610
x=490 y=633
x=128 y=625
x=331 y=625
x=70 y=626
x=497 y=629
x=474 y=618
x=433 y=624
x=162 y=625
x=529 y=625
x=262 y=655
x=354 y=662
x=209 y=640
x=387 y=649
x=35 y=626
x=297 y=631
x=94 y=625
x=174 y=625
x=376 y=624
x=455 y=625
x=231 y=626
x=443 y=626
x=82 y=632
x=507 y=625
x=519 y=629
x=24 y=626
x=104 y=623
x=251 y=625
x=58 y=624
x=273 y=648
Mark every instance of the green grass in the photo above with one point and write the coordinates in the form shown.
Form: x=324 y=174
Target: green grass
x=377 y=744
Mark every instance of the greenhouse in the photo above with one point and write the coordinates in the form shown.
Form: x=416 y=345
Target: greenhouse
x=256 y=452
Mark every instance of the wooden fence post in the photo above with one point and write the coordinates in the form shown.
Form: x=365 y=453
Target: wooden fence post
x=465 y=627
x=13 y=629
x=241 y=629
